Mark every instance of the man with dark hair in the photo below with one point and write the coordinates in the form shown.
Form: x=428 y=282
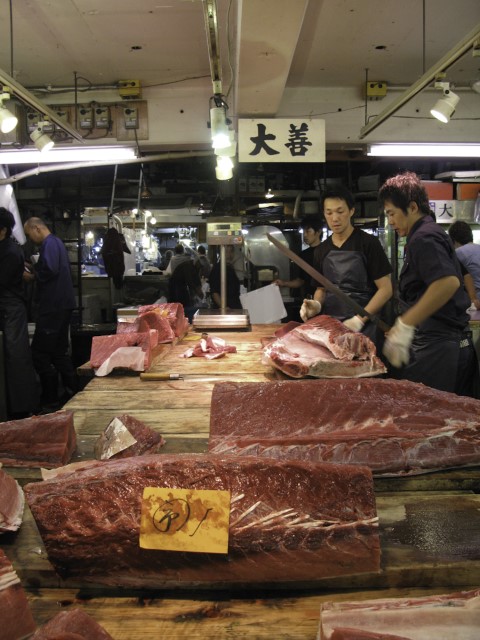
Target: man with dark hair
x=355 y=262
x=56 y=300
x=312 y=228
x=468 y=254
x=178 y=257
x=430 y=341
x=22 y=386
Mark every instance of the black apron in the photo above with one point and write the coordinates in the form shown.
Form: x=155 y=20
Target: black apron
x=22 y=384
x=348 y=271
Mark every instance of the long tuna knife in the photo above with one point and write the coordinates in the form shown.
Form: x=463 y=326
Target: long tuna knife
x=329 y=286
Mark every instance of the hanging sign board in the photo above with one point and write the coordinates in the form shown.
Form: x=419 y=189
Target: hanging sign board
x=281 y=140
x=192 y=520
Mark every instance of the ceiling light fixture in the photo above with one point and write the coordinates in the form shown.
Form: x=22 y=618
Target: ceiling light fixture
x=218 y=122
x=41 y=140
x=269 y=194
x=445 y=107
x=75 y=154
x=427 y=149
x=224 y=168
x=8 y=121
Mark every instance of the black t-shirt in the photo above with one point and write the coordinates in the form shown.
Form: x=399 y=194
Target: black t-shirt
x=369 y=246
x=429 y=256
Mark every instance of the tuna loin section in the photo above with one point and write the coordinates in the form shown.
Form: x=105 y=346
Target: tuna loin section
x=324 y=348
x=12 y=502
x=74 y=624
x=442 y=617
x=394 y=427
x=112 y=442
x=289 y=521
x=16 y=618
x=40 y=441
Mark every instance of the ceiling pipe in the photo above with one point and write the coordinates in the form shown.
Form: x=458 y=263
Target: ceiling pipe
x=211 y=26
x=159 y=157
x=442 y=65
x=23 y=94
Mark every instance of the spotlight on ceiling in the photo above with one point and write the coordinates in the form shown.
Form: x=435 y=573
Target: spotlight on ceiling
x=41 y=140
x=219 y=123
x=445 y=107
x=8 y=121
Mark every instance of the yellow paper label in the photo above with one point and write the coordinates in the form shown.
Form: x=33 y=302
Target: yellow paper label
x=193 y=520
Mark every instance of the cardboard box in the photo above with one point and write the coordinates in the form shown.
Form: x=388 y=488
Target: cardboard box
x=468 y=190
x=438 y=190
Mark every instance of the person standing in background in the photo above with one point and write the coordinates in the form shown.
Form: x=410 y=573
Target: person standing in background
x=355 y=262
x=202 y=263
x=22 y=385
x=232 y=282
x=312 y=236
x=468 y=255
x=430 y=341
x=178 y=257
x=56 y=300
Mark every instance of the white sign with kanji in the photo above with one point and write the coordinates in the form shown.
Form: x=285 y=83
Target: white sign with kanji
x=281 y=140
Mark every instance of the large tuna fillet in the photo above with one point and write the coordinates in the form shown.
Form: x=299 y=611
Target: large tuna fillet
x=394 y=427
x=289 y=521
x=323 y=347
x=12 y=502
x=40 y=441
x=103 y=347
x=440 y=617
x=16 y=621
x=74 y=624
x=172 y=311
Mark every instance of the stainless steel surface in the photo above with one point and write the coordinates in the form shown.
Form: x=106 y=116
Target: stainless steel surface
x=218 y=319
x=260 y=252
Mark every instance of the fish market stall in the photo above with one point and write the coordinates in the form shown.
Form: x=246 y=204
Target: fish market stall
x=428 y=524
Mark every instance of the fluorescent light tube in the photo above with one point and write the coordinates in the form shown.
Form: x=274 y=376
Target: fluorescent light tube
x=84 y=154
x=427 y=149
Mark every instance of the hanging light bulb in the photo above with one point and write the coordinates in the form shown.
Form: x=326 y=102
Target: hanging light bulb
x=8 y=121
x=153 y=221
x=224 y=168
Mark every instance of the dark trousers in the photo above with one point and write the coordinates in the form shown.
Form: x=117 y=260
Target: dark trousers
x=50 y=352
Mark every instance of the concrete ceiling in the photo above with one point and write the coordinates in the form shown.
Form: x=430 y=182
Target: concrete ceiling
x=278 y=57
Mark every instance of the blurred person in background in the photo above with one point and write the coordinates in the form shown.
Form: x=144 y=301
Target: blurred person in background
x=23 y=392
x=55 y=302
x=468 y=255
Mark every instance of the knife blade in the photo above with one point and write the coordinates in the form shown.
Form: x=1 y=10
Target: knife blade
x=329 y=286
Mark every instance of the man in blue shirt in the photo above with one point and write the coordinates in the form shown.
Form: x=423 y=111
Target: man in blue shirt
x=56 y=300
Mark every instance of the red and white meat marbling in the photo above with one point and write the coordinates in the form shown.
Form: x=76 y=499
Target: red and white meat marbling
x=324 y=348
x=394 y=427
x=40 y=441
x=289 y=521
x=73 y=624
x=12 y=502
x=437 y=617
x=16 y=620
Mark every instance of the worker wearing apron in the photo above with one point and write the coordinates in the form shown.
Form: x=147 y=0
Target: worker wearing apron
x=430 y=341
x=21 y=381
x=355 y=262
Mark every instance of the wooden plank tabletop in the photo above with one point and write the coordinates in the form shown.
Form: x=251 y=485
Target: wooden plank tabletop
x=429 y=524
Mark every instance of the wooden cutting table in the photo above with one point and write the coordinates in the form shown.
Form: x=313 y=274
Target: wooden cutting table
x=429 y=524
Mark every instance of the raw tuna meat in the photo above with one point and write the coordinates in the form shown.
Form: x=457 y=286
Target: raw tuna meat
x=12 y=502
x=16 y=619
x=146 y=439
x=210 y=347
x=74 y=624
x=149 y=321
x=104 y=346
x=323 y=347
x=442 y=617
x=173 y=312
x=289 y=520
x=394 y=427
x=40 y=441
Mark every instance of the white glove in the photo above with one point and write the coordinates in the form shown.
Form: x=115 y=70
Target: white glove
x=309 y=309
x=397 y=343
x=355 y=323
